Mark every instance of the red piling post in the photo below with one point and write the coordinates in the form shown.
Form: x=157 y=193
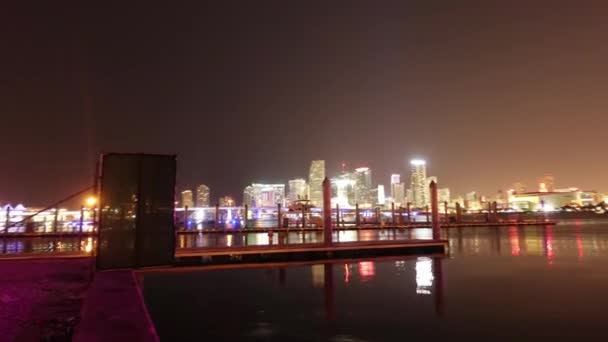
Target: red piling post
x=279 y=215
x=393 y=213
x=409 y=212
x=445 y=211
x=327 y=212
x=435 y=211
x=357 y=219
x=458 y=213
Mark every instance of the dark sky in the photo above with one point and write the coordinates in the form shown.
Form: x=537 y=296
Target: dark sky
x=489 y=92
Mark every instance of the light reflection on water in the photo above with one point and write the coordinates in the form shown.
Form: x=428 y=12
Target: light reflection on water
x=44 y=245
x=497 y=283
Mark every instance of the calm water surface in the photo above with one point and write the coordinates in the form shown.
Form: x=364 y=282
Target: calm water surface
x=532 y=283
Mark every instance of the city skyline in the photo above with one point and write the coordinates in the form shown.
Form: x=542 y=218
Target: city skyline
x=356 y=186
x=488 y=92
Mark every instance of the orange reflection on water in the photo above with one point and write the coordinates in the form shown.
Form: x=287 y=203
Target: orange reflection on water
x=514 y=240
x=346 y=273
x=367 y=270
x=549 y=244
x=579 y=244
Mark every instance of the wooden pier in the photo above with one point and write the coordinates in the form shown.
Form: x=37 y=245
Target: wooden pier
x=307 y=252
x=366 y=226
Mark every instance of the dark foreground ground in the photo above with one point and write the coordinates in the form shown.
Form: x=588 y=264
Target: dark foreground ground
x=40 y=300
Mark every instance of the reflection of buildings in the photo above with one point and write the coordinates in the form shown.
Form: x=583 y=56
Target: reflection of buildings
x=187 y=199
x=424 y=275
x=315 y=182
x=202 y=196
x=367 y=270
x=318 y=275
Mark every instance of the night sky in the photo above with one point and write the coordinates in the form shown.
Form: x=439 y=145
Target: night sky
x=489 y=92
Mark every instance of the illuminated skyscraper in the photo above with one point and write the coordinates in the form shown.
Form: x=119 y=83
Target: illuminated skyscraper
x=248 y=197
x=343 y=189
x=409 y=196
x=443 y=195
x=398 y=193
x=363 y=186
x=397 y=190
x=297 y=190
x=226 y=201
x=259 y=195
x=395 y=178
x=202 y=196
x=187 y=199
x=419 y=185
x=519 y=188
x=381 y=195
x=316 y=176
x=546 y=183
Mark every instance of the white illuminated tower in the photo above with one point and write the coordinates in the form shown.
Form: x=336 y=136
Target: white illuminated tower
x=397 y=189
x=363 y=186
x=187 y=199
x=297 y=190
x=419 y=185
x=316 y=176
x=202 y=195
x=381 y=195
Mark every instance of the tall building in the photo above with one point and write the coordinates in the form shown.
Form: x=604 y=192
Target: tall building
x=398 y=193
x=259 y=195
x=248 y=196
x=202 y=195
x=546 y=183
x=297 y=190
x=395 y=178
x=316 y=176
x=419 y=183
x=343 y=189
x=443 y=195
x=226 y=201
x=187 y=199
x=409 y=196
x=519 y=188
x=381 y=195
x=363 y=186
x=397 y=189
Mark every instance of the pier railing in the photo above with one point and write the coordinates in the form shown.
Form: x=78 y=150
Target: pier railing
x=50 y=220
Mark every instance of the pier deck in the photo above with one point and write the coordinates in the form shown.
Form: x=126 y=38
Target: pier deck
x=310 y=251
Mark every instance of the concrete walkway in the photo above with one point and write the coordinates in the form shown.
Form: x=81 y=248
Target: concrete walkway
x=40 y=299
x=114 y=310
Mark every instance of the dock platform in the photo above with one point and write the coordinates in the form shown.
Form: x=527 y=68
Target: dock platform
x=348 y=227
x=307 y=252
